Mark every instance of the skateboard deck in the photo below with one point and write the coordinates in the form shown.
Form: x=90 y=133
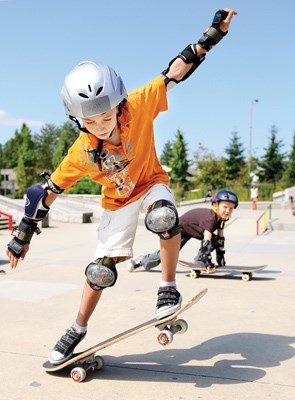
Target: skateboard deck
x=88 y=360
x=246 y=271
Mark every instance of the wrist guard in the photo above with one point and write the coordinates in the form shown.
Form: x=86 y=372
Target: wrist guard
x=220 y=257
x=204 y=254
x=22 y=235
x=190 y=56
x=220 y=240
x=213 y=34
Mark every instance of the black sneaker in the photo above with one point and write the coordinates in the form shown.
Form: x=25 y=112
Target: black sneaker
x=169 y=301
x=64 y=348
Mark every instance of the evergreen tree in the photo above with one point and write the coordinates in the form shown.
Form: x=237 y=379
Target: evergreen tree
x=46 y=143
x=61 y=148
x=67 y=134
x=179 y=160
x=289 y=174
x=272 y=163
x=235 y=160
x=11 y=150
x=26 y=165
x=72 y=131
x=1 y=156
x=167 y=153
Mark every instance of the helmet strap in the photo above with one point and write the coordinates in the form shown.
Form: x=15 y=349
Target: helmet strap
x=215 y=210
x=74 y=119
x=97 y=154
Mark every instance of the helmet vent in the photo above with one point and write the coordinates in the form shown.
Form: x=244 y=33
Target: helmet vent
x=84 y=95
x=99 y=90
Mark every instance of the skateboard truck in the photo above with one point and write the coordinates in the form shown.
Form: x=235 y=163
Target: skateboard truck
x=165 y=336
x=78 y=374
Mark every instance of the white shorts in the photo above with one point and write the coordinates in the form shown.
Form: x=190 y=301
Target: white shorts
x=116 y=230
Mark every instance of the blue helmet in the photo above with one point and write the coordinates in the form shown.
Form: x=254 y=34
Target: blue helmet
x=225 y=195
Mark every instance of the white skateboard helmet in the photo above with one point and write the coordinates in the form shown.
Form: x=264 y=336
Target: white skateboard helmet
x=91 y=89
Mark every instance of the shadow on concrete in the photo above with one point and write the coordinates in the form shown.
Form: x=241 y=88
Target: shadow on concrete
x=232 y=359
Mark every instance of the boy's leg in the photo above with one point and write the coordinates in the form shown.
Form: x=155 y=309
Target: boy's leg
x=118 y=239
x=73 y=336
x=169 y=250
x=162 y=219
x=148 y=261
x=152 y=260
x=169 y=299
x=88 y=303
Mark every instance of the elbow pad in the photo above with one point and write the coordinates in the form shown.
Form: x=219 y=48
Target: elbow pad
x=35 y=207
x=190 y=56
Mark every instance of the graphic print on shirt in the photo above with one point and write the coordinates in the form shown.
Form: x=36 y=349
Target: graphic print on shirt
x=115 y=168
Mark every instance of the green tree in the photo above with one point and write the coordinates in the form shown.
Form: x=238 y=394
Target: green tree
x=167 y=154
x=1 y=156
x=272 y=163
x=85 y=186
x=26 y=165
x=209 y=172
x=72 y=131
x=289 y=174
x=68 y=133
x=45 y=144
x=179 y=161
x=61 y=149
x=235 y=160
x=11 y=150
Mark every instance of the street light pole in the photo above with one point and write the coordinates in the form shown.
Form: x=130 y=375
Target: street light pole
x=250 y=132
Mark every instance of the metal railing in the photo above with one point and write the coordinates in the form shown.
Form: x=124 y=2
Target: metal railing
x=263 y=223
x=9 y=218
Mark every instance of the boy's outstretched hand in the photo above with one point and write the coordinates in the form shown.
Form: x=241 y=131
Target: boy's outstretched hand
x=224 y=24
x=15 y=260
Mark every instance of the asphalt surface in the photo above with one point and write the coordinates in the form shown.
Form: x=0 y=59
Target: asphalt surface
x=240 y=342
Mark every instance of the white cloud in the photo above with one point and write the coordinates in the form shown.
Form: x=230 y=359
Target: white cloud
x=8 y=120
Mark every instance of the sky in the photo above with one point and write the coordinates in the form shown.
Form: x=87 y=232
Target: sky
x=41 y=41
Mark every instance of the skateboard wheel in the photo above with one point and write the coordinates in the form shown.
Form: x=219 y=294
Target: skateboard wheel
x=99 y=362
x=165 y=337
x=78 y=374
x=193 y=274
x=183 y=326
x=247 y=277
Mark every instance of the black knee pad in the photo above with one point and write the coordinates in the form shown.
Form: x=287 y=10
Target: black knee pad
x=162 y=219
x=101 y=273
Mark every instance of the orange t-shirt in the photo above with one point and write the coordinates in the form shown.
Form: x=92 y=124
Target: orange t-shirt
x=130 y=169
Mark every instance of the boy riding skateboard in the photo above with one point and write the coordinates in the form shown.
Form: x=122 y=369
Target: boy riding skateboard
x=199 y=223
x=116 y=148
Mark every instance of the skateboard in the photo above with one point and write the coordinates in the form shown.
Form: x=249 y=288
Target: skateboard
x=88 y=360
x=196 y=271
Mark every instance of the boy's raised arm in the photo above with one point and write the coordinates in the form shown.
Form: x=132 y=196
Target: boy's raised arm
x=183 y=65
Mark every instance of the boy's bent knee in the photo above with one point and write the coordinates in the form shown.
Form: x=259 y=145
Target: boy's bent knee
x=101 y=273
x=162 y=219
